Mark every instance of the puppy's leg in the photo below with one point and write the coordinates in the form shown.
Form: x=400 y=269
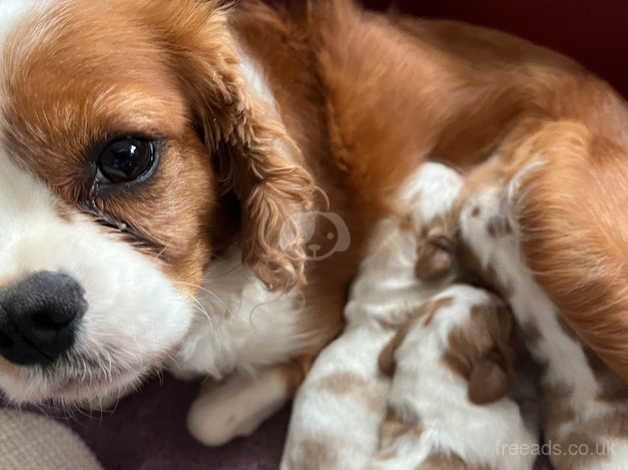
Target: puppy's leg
x=239 y=405
x=339 y=407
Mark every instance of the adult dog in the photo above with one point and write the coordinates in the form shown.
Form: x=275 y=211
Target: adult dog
x=187 y=184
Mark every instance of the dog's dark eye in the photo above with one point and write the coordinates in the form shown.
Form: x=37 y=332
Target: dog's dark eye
x=126 y=159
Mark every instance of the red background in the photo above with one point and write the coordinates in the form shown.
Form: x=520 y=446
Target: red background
x=593 y=32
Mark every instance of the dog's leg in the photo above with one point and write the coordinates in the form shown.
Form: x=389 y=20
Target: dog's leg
x=239 y=405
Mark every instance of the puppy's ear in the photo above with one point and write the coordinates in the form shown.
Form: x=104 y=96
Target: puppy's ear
x=435 y=256
x=273 y=190
x=386 y=360
x=433 y=262
x=254 y=156
x=490 y=378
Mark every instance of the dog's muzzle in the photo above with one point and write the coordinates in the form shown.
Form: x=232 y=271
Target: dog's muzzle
x=39 y=316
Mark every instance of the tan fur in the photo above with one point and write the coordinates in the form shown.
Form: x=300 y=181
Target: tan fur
x=575 y=243
x=481 y=353
x=386 y=360
x=435 y=254
x=443 y=462
x=346 y=383
x=472 y=92
x=316 y=455
x=393 y=427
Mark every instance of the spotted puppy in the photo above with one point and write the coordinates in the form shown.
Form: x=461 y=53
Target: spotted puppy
x=585 y=405
x=339 y=408
x=448 y=404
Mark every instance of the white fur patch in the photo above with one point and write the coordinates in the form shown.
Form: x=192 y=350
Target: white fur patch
x=236 y=408
x=13 y=11
x=440 y=184
x=424 y=389
x=387 y=281
x=566 y=365
x=135 y=315
x=566 y=362
x=241 y=324
x=345 y=422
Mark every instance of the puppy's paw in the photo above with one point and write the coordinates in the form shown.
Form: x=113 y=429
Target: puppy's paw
x=237 y=407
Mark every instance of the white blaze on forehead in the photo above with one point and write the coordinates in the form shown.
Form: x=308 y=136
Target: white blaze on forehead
x=14 y=11
x=135 y=314
x=25 y=206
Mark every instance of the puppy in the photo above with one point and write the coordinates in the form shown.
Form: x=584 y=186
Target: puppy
x=585 y=417
x=448 y=405
x=339 y=407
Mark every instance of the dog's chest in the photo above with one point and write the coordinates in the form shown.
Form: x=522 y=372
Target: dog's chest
x=239 y=323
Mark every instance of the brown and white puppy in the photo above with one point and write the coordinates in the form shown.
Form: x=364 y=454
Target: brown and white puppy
x=469 y=93
x=448 y=405
x=157 y=157
x=585 y=405
x=339 y=408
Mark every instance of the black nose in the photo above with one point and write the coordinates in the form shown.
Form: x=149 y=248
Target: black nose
x=39 y=316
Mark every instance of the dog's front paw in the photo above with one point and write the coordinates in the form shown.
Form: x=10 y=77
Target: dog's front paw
x=236 y=407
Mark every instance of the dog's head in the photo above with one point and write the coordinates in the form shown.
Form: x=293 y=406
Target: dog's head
x=473 y=331
x=129 y=140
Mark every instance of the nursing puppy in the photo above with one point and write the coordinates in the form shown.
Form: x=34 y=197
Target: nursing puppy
x=156 y=159
x=585 y=418
x=338 y=409
x=448 y=405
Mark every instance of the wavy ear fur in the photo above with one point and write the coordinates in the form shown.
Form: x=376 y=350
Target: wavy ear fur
x=258 y=161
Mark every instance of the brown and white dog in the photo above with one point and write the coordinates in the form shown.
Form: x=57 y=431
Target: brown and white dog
x=451 y=345
x=585 y=405
x=344 y=389
x=449 y=403
x=157 y=158
x=153 y=180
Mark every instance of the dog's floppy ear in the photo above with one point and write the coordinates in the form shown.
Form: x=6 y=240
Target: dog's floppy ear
x=490 y=378
x=492 y=373
x=252 y=151
x=435 y=256
x=386 y=360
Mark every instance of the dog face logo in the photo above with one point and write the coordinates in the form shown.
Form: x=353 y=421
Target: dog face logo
x=324 y=233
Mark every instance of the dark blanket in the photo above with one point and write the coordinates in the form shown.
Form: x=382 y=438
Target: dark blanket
x=146 y=431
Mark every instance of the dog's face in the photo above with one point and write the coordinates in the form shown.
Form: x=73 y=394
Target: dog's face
x=124 y=125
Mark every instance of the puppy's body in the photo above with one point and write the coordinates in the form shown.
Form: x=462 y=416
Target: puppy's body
x=338 y=409
x=448 y=405
x=248 y=112
x=585 y=404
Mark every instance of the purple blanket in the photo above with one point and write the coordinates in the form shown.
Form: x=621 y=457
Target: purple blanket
x=147 y=431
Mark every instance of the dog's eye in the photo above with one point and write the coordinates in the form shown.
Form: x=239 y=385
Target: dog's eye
x=127 y=159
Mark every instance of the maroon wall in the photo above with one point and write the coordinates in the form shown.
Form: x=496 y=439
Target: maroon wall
x=594 y=32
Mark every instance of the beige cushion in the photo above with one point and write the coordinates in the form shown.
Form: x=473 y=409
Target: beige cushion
x=33 y=442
